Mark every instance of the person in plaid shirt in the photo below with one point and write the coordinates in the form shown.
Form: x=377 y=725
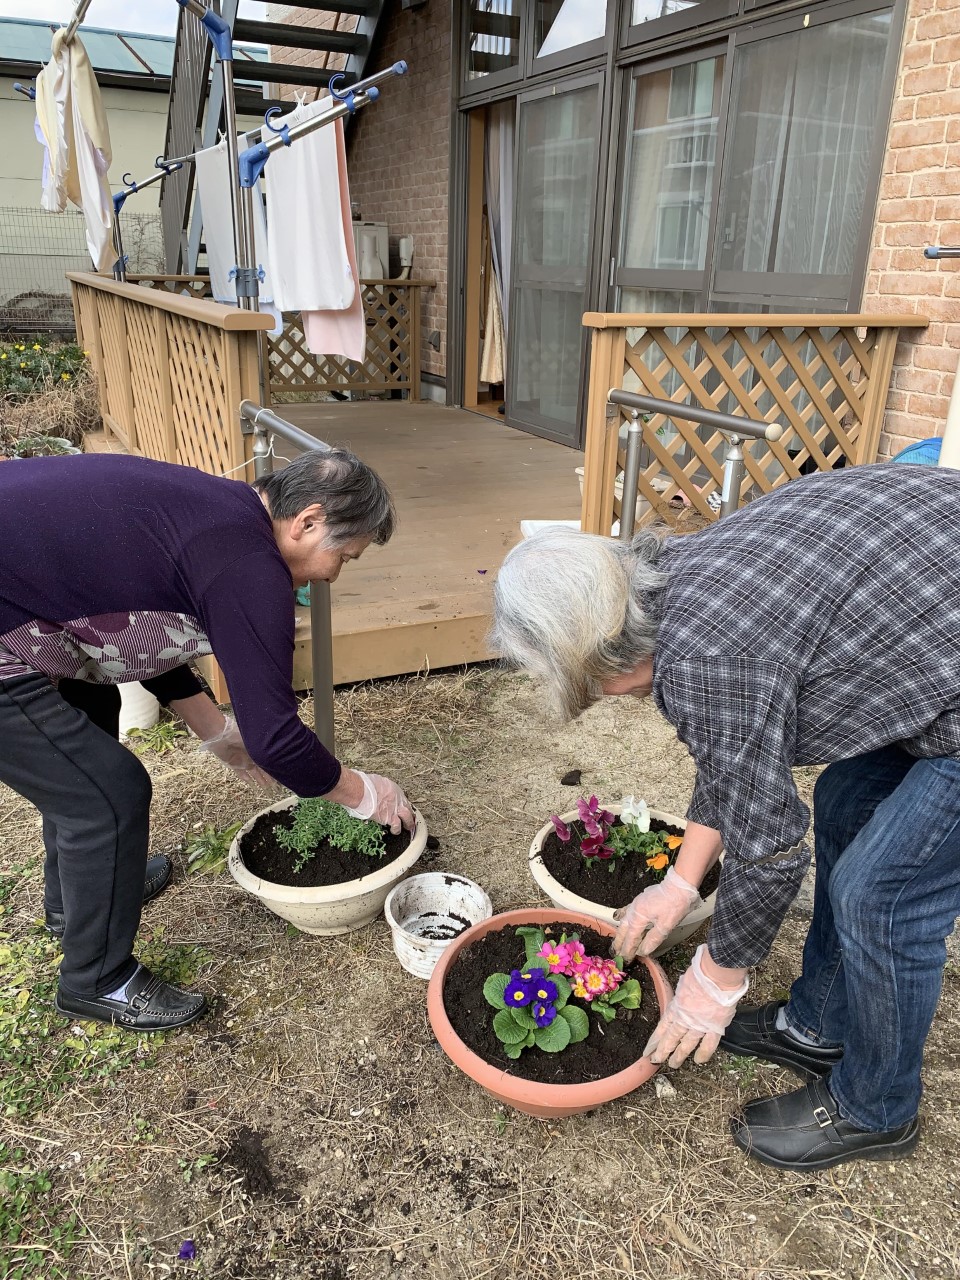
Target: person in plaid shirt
x=818 y=625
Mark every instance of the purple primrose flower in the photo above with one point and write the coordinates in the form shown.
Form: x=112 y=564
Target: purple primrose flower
x=544 y=1014
x=521 y=988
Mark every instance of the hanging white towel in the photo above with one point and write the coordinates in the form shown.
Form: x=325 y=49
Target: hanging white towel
x=340 y=333
x=74 y=126
x=213 y=188
x=308 y=246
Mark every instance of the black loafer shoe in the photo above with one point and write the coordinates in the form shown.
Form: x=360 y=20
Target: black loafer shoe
x=159 y=873
x=753 y=1034
x=149 y=1005
x=804 y=1130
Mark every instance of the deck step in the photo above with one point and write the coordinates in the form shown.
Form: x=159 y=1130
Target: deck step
x=102 y=442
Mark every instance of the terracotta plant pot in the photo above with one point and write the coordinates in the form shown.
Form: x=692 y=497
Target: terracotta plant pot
x=567 y=900
x=330 y=908
x=548 y=1101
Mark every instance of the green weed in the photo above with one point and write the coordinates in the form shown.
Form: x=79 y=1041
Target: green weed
x=159 y=738
x=36 y=1239
x=207 y=850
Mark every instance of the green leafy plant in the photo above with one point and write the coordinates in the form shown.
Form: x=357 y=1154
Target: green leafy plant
x=36 y=1236
x=159 y=738
x=28 y=367
x=534 y=1003
x=207 y=850
x=316 y=820
x=190 y=1168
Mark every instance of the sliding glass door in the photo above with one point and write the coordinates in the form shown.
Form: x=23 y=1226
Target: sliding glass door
x=556 y=186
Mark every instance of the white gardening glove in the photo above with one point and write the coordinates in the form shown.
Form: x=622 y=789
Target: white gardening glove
x=696 y=1017
x=644 y=924
x=384 y=802
x=228 y=747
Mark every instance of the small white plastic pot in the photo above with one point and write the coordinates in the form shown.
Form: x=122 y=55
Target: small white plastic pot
x=567 y=900
x=331 y=908
x=426 y=912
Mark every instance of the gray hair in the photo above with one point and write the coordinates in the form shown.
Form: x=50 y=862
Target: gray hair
x=569 y=608
x=355 y=501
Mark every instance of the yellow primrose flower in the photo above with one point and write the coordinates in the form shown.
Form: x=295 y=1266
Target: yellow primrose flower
x=21 y=347
x=36 y=347
x=4 y=356
x=65 y=377
x=23 y=364
x=87 y=354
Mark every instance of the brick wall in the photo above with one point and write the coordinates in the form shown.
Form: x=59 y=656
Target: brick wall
x=919 y=205
x=399 y=149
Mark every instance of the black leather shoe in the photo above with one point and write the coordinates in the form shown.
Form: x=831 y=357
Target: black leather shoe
x=149 y=1005
x=753 y=1034
x=804 y=1130
x=159 y=873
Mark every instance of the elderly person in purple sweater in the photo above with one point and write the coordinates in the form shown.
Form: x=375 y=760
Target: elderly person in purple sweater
x=117 y=569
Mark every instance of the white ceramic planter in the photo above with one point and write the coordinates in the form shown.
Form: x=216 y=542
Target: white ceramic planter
x=560 y=896
x=330 y=908
x=426 y=912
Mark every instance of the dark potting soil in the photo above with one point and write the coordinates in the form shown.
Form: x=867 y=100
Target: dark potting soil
x=598 y=883
x=610 y=1047
x=263 y=857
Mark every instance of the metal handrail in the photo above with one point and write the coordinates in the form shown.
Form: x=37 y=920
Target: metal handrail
x=265 y=423
x=734 y=428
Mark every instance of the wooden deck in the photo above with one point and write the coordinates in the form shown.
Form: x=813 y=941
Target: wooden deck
x=462 y=482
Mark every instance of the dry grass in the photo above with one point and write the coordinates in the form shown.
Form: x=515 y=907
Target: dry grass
x=311 y=1128
x=64 y=409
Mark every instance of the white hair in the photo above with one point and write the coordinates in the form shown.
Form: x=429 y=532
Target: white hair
x=573 y=609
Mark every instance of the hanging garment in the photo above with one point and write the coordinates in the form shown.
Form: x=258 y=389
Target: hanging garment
x=305 y=231
x=491 y=362
x=77 y=138
x=339 y=332
x=213 y=189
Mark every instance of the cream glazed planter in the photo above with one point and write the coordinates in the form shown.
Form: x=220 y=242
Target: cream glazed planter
x=565 y=898
x=330 y=908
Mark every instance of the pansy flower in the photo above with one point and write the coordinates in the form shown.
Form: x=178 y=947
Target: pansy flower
x=635 y=813
x=657 y=861
x=674 y=842
x=560 y=827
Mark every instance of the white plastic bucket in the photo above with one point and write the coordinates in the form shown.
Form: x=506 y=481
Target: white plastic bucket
x=139 y=709
x=426 y=912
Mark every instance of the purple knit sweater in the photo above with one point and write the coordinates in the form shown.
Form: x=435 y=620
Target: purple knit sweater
x=116 y=569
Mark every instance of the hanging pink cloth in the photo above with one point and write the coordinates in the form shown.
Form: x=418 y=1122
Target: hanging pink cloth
x=340 y=333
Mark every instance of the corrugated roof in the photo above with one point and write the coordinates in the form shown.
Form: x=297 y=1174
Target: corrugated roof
x=28 y=40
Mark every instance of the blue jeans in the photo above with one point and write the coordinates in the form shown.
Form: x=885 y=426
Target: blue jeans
x=887 y=896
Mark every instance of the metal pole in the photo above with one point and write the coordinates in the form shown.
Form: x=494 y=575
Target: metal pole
x=78 y=17
x=245 y=286
x=734 y=469
x=693 y=413
x=119 y=268
x=321 y=652
x=631 y=475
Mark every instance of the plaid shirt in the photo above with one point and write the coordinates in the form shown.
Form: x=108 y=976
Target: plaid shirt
x=818 y=623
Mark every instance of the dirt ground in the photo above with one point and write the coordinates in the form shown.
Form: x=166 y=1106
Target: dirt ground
x=310 y=1128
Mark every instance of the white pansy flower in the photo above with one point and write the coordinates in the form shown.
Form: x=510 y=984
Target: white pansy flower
x=634 y=813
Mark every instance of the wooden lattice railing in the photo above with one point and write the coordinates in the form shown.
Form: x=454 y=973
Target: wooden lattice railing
x=392 y=312
x=824 y=378
x=171 y=370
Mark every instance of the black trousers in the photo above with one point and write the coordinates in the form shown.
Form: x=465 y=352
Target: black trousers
x=59 y=750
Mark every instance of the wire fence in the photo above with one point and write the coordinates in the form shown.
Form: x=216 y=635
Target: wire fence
x=37 y=249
